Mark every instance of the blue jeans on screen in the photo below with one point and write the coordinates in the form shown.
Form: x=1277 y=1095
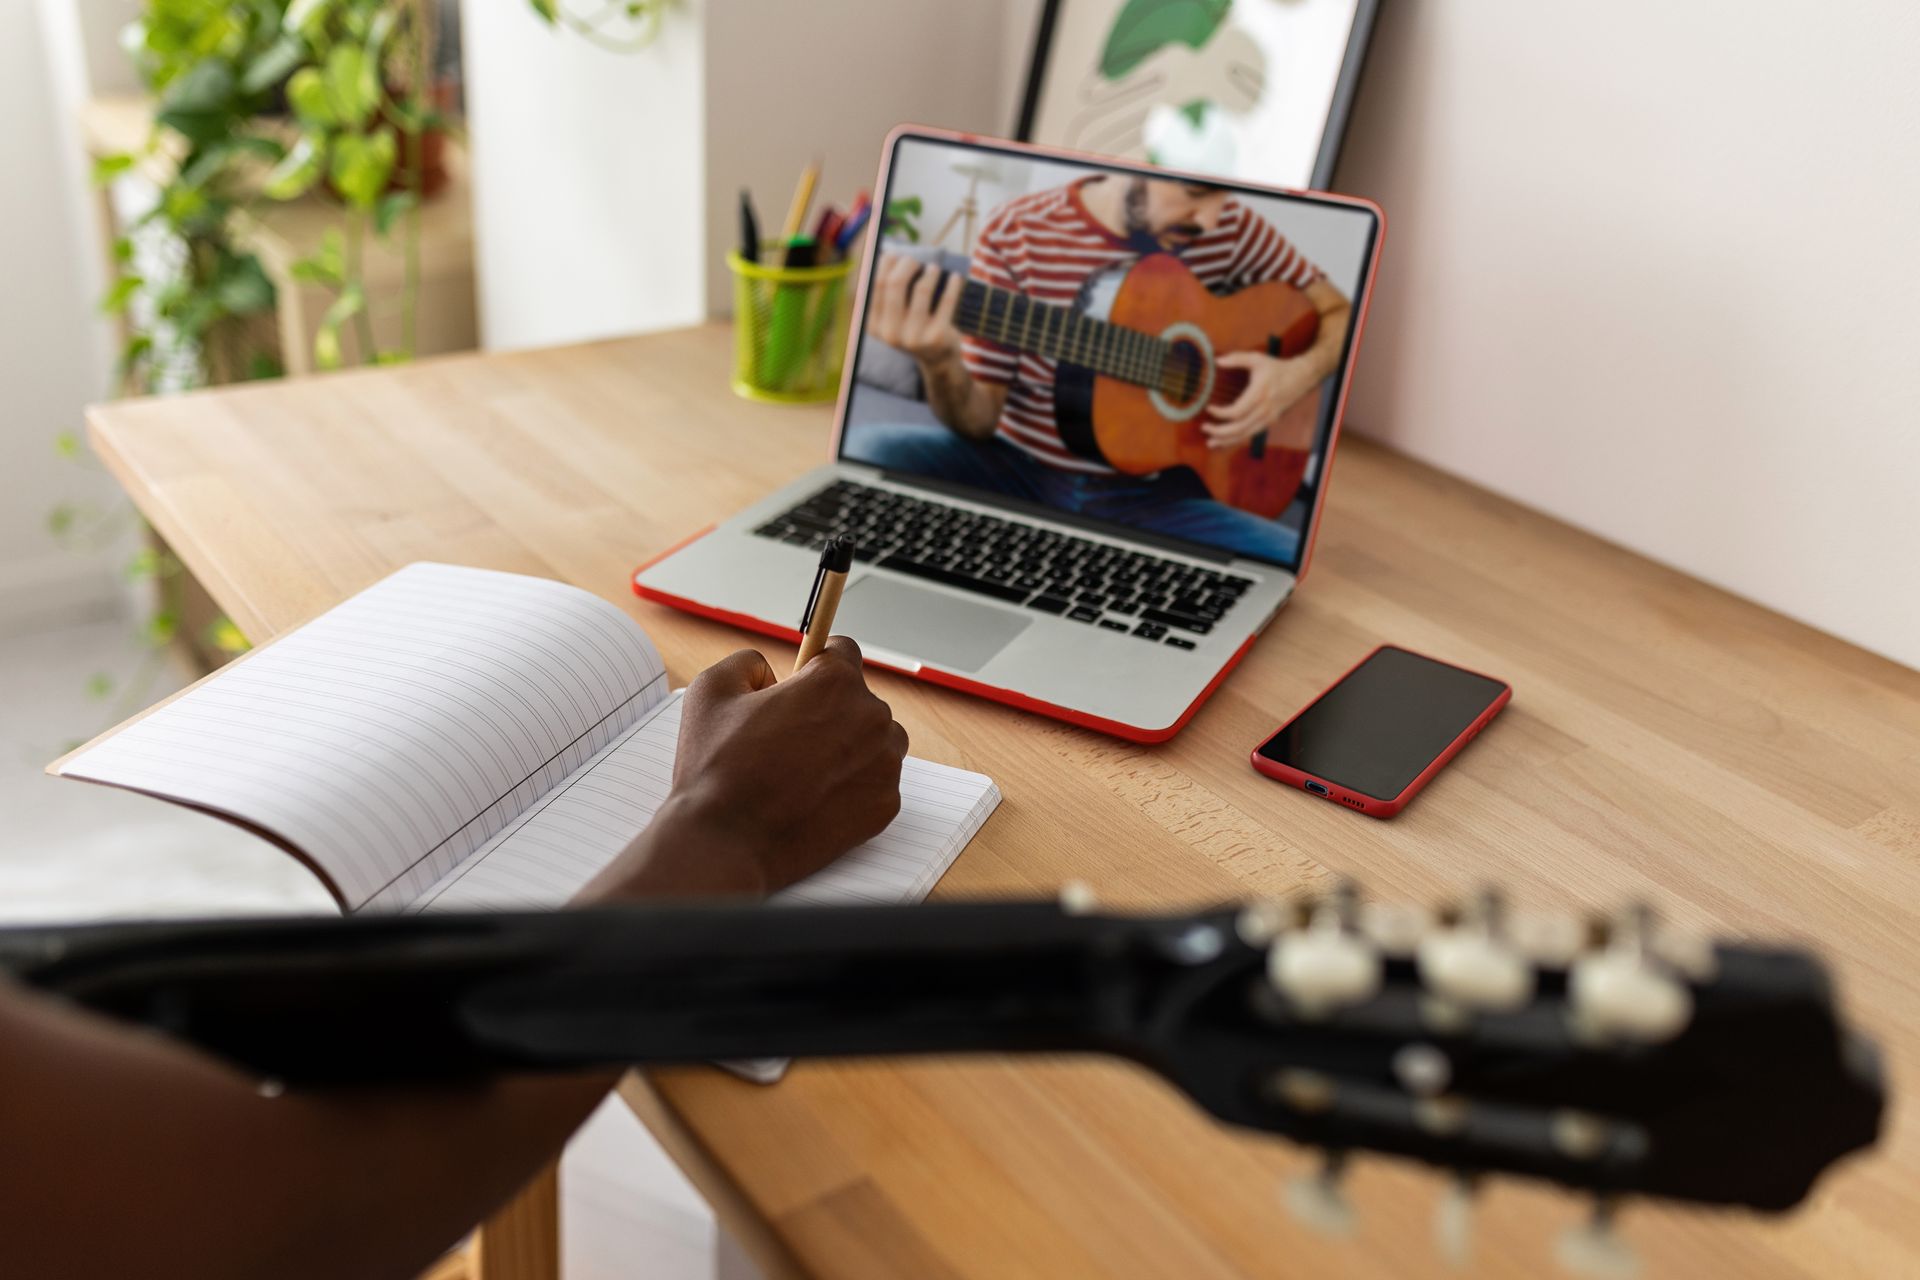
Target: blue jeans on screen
x=1173 y=502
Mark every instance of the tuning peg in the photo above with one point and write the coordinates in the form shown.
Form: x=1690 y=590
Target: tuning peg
x=1472 y=966
x=1595 y=1249
x=1327 y=964
x=1395 y=927
x=1690 y=954
x=1622 y=993
x=1318 y=1200
x=1259 y=923
x=1453 y=1221
x=1553 y=941
x=1076 y=898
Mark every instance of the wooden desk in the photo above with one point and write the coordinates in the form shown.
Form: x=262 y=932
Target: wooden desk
x=1665 y=740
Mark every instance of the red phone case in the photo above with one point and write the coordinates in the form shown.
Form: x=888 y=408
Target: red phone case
x=1373 y=806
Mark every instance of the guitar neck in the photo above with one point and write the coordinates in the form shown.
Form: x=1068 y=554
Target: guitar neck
x=1233 y=1007
x=331 y=1001
x=1059 y=333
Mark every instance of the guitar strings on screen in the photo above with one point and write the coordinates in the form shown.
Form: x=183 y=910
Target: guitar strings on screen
x=1151 y=350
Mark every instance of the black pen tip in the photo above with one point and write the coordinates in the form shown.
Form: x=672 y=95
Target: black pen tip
x=837 y=555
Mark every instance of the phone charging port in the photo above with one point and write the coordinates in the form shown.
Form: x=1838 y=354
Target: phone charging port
x=1318 y=788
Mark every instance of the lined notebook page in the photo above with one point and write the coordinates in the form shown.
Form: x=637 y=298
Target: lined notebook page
x=392 y=736
x=552 y=850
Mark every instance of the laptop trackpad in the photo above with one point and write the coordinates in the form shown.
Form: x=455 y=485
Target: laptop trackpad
x=915 y=622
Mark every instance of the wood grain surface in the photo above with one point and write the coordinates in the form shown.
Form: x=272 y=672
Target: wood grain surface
x=1666 y=741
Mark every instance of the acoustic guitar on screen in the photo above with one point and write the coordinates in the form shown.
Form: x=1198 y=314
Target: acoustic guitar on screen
x=1138 y=359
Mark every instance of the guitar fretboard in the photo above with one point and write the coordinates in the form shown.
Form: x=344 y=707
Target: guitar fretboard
x=1060 y=333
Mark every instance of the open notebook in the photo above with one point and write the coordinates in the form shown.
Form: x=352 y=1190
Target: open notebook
x=462 y=739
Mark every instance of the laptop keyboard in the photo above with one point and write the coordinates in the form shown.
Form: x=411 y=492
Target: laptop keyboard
x=1112 y=588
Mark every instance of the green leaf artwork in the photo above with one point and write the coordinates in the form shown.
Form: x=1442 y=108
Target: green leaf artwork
x=1144 y=27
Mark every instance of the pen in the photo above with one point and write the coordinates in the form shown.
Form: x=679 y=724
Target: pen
x=826 y=230
x=854 y=224
x=836 y=559
x=802 y=197
x=802 y=251
x=749 y=229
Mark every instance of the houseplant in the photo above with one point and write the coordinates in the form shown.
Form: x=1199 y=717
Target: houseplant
x=258 y=102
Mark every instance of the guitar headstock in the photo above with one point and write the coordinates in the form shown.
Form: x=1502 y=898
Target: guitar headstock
x=1618 y=1056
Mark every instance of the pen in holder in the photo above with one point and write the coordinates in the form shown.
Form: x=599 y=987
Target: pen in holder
x=790 y=330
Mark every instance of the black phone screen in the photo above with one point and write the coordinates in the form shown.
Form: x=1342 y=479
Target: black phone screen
x=1380 y=727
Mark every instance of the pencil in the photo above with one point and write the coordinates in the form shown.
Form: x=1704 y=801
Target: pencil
x=836 y=559
x=802 y=198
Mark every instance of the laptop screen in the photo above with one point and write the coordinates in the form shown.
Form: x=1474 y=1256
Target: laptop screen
x=1108 y=342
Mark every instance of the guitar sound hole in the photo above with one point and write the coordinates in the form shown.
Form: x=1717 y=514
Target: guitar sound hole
x=1186 y=373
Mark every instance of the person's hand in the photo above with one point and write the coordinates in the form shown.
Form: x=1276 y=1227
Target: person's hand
x=902 y=313
x=773 y=780
x=1274 y=385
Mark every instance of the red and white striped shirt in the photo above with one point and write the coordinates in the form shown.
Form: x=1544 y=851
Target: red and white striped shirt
x=1046 y=244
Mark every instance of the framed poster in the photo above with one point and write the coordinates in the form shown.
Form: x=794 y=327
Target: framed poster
x=1252 y=89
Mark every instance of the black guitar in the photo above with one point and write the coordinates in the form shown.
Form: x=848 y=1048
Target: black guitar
x=1615 y=1058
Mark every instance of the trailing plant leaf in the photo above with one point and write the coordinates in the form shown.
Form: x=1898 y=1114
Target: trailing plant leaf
x=161 y=628
x=305 y=15
x=312 y=104
x=145 y=563
x=392 y=207
x=326 y=343
x=197 y=105
x=298 y=169
x=67 y=444
x=99 y=686
x=107 y=168
x=362 y=166
x=326 y=265
x=223 y=635
x=120 y=293
x=353 y=84
x=138 y=348
x=280 y=60
x=242 y=287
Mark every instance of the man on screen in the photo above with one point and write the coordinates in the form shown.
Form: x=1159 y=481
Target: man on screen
x=997 y=405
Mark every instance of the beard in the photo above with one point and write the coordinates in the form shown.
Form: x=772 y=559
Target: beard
x=1134 y=210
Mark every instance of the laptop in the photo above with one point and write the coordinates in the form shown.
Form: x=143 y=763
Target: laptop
x=1083 y=437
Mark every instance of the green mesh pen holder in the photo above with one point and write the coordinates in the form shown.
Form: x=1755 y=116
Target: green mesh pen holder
x=789 y=330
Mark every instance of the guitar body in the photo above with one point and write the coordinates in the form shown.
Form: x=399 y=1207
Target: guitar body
x=1138 y=430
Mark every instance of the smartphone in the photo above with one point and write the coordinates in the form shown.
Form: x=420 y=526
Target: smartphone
x=1381 y=732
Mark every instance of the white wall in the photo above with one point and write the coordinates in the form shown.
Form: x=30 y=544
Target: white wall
x=51 y=354
x=588 y=177
x=830 y=78
x=1653 y=268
